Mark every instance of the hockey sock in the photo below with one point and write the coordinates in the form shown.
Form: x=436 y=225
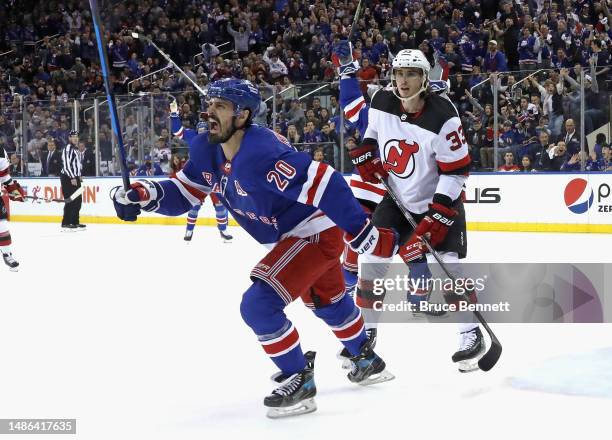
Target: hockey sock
x=192 y=217
x=221 y=215
x=5 y=237
x=345 y=320
x=350 y=281
x=262 y=309
x=419 y=277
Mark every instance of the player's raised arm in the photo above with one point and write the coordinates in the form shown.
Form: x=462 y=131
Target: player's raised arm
x=170 y=197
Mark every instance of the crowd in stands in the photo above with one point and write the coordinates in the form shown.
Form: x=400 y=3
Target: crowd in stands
x=49 y=57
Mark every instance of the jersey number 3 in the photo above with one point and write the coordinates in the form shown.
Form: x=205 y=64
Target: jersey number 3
x=457 y=140
x=281 y=174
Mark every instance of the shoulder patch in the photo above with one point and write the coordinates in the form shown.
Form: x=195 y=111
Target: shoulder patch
x=386 y=101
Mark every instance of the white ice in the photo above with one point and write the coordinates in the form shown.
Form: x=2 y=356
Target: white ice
x=138 y=335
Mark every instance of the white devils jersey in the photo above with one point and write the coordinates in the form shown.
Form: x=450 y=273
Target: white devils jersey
x=418 y=150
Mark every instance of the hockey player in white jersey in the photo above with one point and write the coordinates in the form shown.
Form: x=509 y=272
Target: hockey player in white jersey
x=415 y=140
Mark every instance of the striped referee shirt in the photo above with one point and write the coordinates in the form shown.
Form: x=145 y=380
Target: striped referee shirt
x=71 y=161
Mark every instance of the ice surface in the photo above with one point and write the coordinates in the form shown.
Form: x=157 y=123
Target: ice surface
x=138 y=335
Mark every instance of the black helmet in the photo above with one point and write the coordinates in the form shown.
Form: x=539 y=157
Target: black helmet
x=73 y=133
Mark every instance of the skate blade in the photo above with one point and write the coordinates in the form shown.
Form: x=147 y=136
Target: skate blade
x=14 y=269
x=304 y=407
x=471 y=365
x=383 y=376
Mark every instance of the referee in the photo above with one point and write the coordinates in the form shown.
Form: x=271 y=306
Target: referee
x=71 y=179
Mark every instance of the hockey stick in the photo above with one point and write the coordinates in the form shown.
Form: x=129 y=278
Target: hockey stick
x=112 y=105
x=70 y=199
x=491 y=357
x=167 y=58
x=355 y=20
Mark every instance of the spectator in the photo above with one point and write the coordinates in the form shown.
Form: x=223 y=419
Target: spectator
x=275 y=66
x=527 y=50
x=570 y=137
x=495 y=61
x=88 y=160
x=552 y=104
x=295 y=114
x=51 y=160
x=509 y=164
x=572 y=163
x=15 y=168
x=318 y=155
x=293 y=135
x=149 y=168
x=526 y=164
x=604 y=163
x=241 y=37
x=555 y=156
x=600 y=142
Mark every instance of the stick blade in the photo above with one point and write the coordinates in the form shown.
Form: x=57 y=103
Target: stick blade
x=491 y=357
x=75 y=194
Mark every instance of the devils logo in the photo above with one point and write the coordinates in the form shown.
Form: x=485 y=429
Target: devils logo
x=398 y=155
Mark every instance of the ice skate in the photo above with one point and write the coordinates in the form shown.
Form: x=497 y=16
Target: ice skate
x=226 y=237
x=11 y=262
x=471 y=348
x=81 y=227
x=188 y=235
x=295 y=394
x=367 y=367
x=69 y=228
x=344 y=354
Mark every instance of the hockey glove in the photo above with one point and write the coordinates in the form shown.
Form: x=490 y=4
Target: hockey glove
x=412 y=250
x=173 y=108
x=15 y=192
x=437 y=221
x=129 y=203
x=380 y=242
x=368 y=163
x=342 y=57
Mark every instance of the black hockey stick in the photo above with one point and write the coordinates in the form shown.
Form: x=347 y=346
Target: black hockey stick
x=355 y=20
x=491 y=357
x=167 y=58
x=70 y=199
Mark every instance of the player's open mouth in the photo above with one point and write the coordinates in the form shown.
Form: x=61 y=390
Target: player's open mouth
x=213 y=125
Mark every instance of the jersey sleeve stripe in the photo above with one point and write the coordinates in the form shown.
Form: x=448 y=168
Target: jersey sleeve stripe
x=183 y=178
x=319 y=185
x=180 y=133
x=452 y=166
x=367 y=187
x=316 y=171
x=186 y=192
x=352 y=110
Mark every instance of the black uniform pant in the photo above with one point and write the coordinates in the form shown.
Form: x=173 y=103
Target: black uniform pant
x=72 y=209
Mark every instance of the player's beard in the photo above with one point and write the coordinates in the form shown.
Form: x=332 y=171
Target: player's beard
x=222 y=135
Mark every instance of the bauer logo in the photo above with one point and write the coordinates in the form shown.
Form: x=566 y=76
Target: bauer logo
x=578 y=196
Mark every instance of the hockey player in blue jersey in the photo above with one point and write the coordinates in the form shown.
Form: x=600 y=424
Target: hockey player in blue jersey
x=221 y=214
x=297 y=208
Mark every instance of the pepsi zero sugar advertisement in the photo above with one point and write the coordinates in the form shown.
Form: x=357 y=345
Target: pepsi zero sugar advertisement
x=502 y=292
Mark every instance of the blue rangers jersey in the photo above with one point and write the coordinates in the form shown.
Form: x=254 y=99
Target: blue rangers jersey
x=272 y=190
x=355 y=111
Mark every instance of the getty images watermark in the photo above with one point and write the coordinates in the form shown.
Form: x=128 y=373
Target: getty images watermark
x=502 y=292
x=419 y=287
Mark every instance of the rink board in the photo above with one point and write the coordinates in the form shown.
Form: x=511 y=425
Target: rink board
x=538 y=202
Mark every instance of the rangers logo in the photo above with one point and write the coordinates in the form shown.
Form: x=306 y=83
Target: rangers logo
x=207 y=178
x=399 y=160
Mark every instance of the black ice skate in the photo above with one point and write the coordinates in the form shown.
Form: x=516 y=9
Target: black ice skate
x=367 y=367
x=471 y=348
x=295 y=395
x=226 y=237
x=11 y=262
x=345 y=356
x=188 y=235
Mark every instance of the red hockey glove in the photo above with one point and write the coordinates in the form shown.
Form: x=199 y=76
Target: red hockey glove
x=380 y=242
x=435 y=224
x=368 y=163
x=412 y=250
x=15 y=191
